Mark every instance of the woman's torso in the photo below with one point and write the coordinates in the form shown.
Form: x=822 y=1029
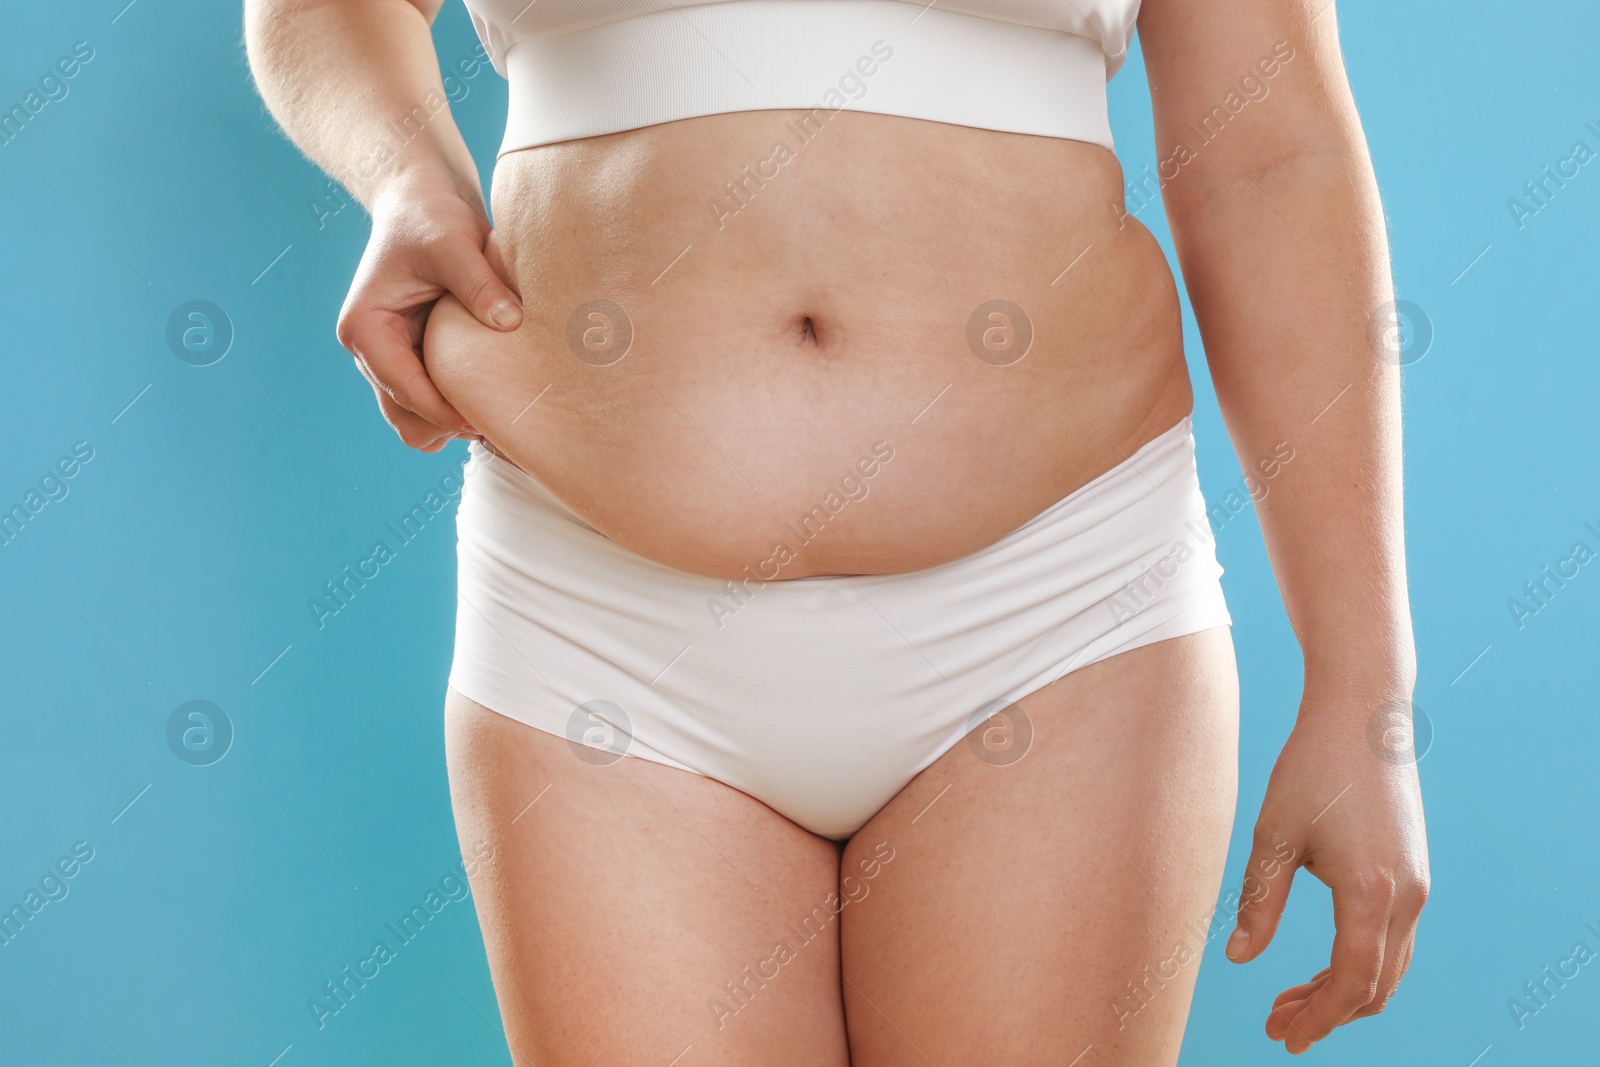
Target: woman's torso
x=898 y=430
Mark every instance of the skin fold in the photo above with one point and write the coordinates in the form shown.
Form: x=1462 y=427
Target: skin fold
x=772 y=351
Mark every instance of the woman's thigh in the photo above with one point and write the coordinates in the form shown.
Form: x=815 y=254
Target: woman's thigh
x=633 y=913
x=1044 y=908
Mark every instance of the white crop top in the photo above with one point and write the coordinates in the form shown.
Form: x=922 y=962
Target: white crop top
x=580 y=68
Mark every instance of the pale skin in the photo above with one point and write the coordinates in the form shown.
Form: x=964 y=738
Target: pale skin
x=1018 y=906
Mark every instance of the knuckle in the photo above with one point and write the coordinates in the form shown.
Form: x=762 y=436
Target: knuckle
x=448 y=248
x=408 y=385
x=344 y=330
x=395 y=389
x=386 y=393
x=433 y=239
x=1355 y=989
x=481 y=290
x=1372 y=892
x=1379 y=883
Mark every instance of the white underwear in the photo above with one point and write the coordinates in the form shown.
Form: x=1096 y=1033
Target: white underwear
x=820 y=697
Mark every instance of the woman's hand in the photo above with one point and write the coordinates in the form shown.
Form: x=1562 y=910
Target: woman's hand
x=427 y=239
x=1344 y=803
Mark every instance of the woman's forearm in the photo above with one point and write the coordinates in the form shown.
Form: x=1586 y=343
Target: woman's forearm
x=1287 y=271
x=355 y=85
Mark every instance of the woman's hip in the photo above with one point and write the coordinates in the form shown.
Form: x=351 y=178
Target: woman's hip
x=824 y=694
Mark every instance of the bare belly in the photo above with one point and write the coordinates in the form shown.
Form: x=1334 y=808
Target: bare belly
x=876 y=350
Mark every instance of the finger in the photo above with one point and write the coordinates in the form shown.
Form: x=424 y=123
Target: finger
x=1361 y=915
x=1301 y=991
x=1279 y=1020
x=1411 y=943
x=1388 y=974
x=1414 y=898
x=1263 y=895
x=414 y=430
x=1290 y=1003
x=1397 y=952
x=383 y=345
x=1405 y=961
x=459 y=264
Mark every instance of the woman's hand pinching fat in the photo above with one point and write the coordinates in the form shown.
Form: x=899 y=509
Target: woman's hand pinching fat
x=427 y=239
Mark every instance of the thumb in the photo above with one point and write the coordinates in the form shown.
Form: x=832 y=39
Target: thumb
x=460 y=266
x=1273 y=861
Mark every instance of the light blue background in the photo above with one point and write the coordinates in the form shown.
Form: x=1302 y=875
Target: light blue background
x=179 y=565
